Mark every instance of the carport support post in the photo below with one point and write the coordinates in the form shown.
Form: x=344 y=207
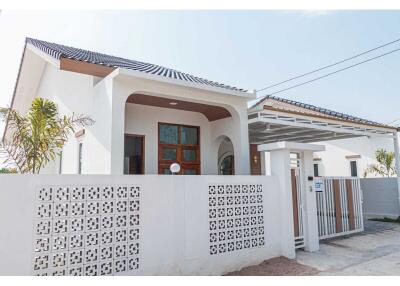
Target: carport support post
x=280 y=167
x=311 y=237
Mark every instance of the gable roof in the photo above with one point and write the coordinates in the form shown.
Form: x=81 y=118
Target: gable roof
x=322 y=111
x=60 y=51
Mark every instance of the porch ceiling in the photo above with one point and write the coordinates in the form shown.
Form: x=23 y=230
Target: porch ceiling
x=212 y=112
x=268 y=127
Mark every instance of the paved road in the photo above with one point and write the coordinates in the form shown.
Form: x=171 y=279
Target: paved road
x=376 y=251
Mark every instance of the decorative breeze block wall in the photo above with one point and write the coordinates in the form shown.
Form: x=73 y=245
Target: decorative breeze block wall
x=86 y=230
x=236 y=217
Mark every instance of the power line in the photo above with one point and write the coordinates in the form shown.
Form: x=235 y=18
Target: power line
x=391 y=122
x=337 y=71
x=331 y=65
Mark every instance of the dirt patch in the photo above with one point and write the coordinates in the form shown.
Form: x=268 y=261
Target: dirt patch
x=279 y=266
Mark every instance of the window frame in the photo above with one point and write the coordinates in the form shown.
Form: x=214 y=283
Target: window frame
x=163 y=164
x=143 y=138
x=356 y=168
x=80 y=157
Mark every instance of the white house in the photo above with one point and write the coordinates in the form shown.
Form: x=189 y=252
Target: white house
x=146 y=116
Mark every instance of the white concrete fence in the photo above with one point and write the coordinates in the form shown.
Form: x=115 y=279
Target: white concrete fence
x=139 y=225
x=380 y=197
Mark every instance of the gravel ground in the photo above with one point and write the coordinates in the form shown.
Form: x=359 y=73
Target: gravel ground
x=279 y=266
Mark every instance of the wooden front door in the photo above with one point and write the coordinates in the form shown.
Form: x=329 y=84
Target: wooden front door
x=179 y=144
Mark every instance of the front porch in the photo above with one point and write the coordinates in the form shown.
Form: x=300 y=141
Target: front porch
x=162 y=131
x=154 y=124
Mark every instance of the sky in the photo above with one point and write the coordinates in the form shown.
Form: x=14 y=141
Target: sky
x=247 y=49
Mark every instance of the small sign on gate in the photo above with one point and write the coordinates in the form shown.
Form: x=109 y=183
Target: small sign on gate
x=318 y=184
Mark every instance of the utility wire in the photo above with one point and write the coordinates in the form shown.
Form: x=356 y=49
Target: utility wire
x=391 y=122
x=337 y=71
x=328 y=66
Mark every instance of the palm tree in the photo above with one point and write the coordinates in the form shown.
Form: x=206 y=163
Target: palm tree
x=385 y=166
x=34 y=139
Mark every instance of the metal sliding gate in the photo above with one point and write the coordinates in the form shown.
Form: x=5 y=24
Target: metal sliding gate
x=339 y=206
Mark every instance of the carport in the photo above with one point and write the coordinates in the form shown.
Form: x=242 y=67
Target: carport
x=280 y=124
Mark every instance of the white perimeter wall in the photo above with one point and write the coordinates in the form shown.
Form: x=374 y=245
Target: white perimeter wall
x=380 y=197
x=174 y=222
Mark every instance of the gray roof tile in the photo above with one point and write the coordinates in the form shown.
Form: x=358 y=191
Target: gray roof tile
x=321 y=110
x=60 y=51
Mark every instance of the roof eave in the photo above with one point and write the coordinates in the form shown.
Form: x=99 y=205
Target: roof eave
x=138 y=74
x=320 y=117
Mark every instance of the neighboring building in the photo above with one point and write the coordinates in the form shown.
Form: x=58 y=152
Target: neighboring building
x=146 y=116
x=350 y=142
x=350 y=157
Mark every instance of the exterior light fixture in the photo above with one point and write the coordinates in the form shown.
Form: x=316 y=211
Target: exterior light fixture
x=173 y=103
x=175 y=168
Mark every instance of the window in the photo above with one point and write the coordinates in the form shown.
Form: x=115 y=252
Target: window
x=134 y=154
x=227 y=166
x=178 y=144
x=353 y=168
x=60 y=161
x=316 y=170
x=80 y=158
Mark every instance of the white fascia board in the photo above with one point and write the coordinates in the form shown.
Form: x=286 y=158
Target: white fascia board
x=344 y=127
x=43 y=55
x=293 y=146
x=158 y=78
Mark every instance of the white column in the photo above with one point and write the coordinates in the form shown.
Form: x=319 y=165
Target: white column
x=396 y=142
x=310 y=219
x=117 y=131
x=280 y=167
x=262 y=161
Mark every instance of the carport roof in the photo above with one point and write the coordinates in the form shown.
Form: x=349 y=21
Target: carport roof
x=321 y=110
x=274 y=119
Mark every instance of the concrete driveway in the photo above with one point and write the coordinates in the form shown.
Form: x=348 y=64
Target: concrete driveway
x=376 y=251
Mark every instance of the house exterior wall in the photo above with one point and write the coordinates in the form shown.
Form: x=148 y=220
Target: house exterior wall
x=334 y=162
x=234 y=127
x=104 y=100
x=73 y=93
x=143 y=120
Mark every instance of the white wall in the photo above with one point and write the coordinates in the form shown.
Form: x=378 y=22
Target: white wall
x=234 y=127
x=105 y=102
x=74 y=94
x=380 y=197
x=333 y=160
x=174 y=222
x=143 y=120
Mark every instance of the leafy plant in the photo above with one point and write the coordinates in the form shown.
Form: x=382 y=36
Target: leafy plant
x=8 y=171
x=34 y=139
x=385 y=166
